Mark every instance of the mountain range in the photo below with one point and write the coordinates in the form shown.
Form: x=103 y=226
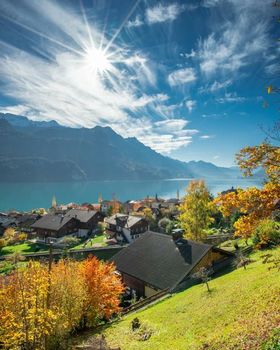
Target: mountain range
x=46 y=151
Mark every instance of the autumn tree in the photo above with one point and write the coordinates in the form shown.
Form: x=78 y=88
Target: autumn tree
x=40 y=307
x=253 y=204
x=2 y=243
x=103 y=288
x=68 y=295
x=195 y=210
x=265 y=155
x=24 y=317
x=9 y=234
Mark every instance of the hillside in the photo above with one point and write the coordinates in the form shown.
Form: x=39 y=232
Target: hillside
x=47 y=151
x=241 y=312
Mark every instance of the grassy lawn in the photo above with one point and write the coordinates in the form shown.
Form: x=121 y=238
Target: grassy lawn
x=241 y=311
x=23 y=248
x=99 y=238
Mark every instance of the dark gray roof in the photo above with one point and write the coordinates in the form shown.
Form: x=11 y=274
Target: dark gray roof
x=158 y=260
x=52 y=222
x=131 y=220
x=81 y=215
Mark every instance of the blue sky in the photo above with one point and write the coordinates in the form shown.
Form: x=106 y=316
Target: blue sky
x=187 y=78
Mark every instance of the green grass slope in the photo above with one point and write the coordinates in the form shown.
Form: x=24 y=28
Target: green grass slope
x=241 y=312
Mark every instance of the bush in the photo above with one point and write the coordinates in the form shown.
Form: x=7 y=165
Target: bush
x=267 y=234
x=70 y=241
x=273 y=343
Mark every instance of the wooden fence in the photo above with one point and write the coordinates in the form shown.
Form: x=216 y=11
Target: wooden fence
x=142 y=303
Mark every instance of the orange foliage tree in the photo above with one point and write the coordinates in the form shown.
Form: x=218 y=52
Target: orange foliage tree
x=103 y=288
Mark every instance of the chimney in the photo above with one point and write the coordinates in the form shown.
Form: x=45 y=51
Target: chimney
x=177 y=234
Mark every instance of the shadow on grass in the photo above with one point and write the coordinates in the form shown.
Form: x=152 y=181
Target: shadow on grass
x=30 y=248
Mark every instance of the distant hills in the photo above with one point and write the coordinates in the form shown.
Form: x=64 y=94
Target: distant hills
x=46 y=151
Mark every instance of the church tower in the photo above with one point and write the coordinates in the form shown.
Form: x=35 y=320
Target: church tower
x=54 y=202
x=99 y=198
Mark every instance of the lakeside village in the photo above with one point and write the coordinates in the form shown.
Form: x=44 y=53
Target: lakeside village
x=58 y=261
x=111 y=230
x=102 y=229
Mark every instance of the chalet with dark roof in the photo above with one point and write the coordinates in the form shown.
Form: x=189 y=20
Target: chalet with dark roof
x=125 y=228
x=76 y=221
x=88 y=220
x=156 y=262
x=55 y=226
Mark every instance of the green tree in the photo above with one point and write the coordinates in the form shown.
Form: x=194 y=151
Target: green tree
x=196 y=210
x=163 y=224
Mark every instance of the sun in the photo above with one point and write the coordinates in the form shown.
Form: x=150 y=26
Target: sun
x=97 y=60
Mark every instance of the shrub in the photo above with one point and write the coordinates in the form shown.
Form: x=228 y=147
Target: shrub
x=267 y=234
x=274 y=342
x=70 y=241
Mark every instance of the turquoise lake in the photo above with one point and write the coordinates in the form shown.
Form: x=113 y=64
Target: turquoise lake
x=26 y=196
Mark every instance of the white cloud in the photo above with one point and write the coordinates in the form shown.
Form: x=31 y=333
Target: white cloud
x=207 y=137
x=190 y=104
x=215 y=86
x=210 y=3
x=62 y=83
x=215 y=115
x=17 y=110
x=192 y=54
x=163 y=13
x=231 y=98
x=238 y=42
x=181 y=76
x=136 y=22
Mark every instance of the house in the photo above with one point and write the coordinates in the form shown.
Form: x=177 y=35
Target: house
x=76 y=221
x=156 y=262
x=87 y=220
x=106 y=205
x=125 y=227
x=25 y=221
x=131 y=206
x=55 y=226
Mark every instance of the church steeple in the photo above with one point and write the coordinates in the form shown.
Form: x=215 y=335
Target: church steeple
x=53 y=202
x=99 y=198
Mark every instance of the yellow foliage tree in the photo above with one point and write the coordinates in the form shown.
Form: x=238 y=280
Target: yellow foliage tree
x=68 y=295
x=265 y=155
x=196 y=210
x=25 y=320
x=254 y=205
x=9 y=234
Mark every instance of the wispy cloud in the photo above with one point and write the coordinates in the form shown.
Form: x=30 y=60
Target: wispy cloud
x=231 y=98
x=207 y=137
x=59 y=80
x=192 y=54
x=215 y=115
x=215 y=86
x=158 y=14
x=163 y=13
x=136 y=22
x=182 y=76
x=239 y=41
x=190 y=104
